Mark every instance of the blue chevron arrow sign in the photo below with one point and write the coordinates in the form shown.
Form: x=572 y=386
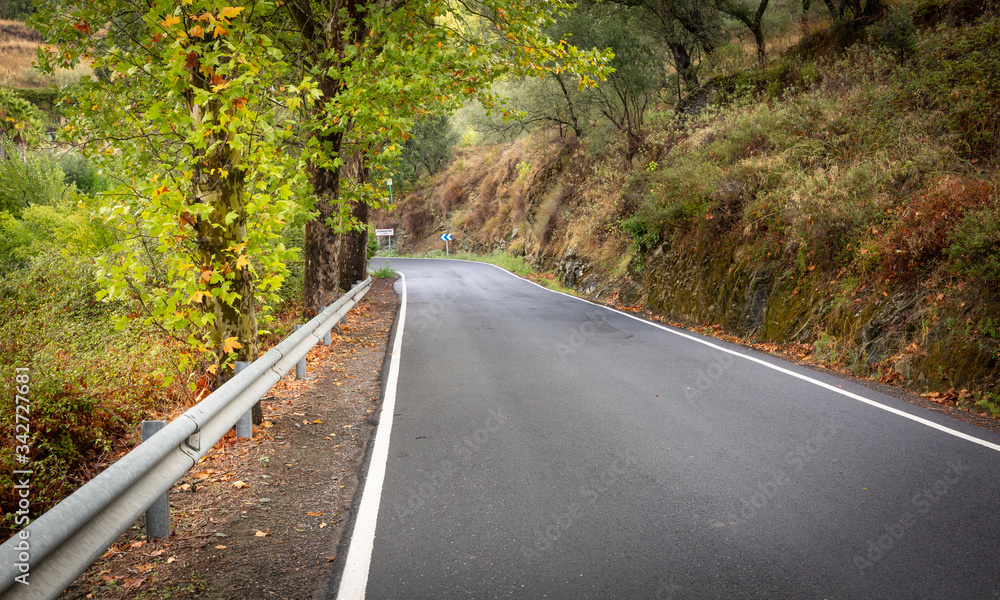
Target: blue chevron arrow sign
x=447 y=237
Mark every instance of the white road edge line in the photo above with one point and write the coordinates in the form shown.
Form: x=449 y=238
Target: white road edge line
x=354 y=581
x=827 y=386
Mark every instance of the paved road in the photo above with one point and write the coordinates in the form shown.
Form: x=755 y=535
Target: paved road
x=545 y=447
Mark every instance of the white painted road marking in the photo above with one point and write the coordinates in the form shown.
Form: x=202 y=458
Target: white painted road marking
x=359 y=555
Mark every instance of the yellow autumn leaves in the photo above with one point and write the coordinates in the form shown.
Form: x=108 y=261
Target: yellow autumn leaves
x=216 y=22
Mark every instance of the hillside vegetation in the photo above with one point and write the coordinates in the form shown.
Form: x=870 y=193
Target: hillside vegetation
x=840 y=199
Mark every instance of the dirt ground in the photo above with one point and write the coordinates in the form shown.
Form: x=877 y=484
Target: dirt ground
x=265 y=517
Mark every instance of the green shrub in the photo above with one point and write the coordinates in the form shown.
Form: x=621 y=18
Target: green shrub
x=957 y=72
x=35 y=180
x=77 y=171
x=372 y=244
x=64 y=228
x=384 y=272
x=683 y=193
x=14 y=237
x=90 y=385
x=975 y=243
x=897 y=33
x=788 y=75
x=644 y=234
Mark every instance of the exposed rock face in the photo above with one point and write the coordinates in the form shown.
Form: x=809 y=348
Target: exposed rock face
x=579 y=274
x=910 y=333
x=571 y=269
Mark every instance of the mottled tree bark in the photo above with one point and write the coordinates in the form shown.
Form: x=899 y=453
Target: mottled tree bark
x=322 y=269
x=354 y=244
x=219 y=181
x=325 y=37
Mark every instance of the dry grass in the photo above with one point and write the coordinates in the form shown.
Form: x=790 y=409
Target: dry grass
x=18 y=49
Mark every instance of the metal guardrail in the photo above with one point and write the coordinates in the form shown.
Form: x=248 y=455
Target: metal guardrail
x=63 y=542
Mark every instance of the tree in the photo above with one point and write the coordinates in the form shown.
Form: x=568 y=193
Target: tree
x=186 y=117
x=683 y=25
x=532 y=103
x=637 y=76
x=16 y=9
x=752 y=18
x=380 y=67
x=427 y=148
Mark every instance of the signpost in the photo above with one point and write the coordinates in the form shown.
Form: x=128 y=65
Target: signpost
x=386 y=233
x=388 y=182
x=447 y=237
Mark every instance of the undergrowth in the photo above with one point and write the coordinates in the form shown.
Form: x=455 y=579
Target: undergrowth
x=90 y=385
x=869 y=162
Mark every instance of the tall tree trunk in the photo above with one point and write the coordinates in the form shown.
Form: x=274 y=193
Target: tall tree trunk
x=322 y=252
x=682 y=63
x=219 y=181
x=758 y=38
x=753 y=21
x=354 y=244
x=757 y=27
x=574 y=120
x=322 y=33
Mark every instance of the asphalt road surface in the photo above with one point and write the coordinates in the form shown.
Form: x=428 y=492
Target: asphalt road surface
x=540 y=446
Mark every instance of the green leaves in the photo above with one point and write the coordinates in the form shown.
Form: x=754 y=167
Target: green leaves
x=197 y=111
x=189 y=111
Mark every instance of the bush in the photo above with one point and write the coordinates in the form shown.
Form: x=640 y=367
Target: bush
x=975 y=243
x=90 y=385
x=62 y=228
x=957 y=72
x=35 y=180
x=77 y=171
x=683 y=194
x=384 y=272
x=898 y=34
x=644 y=235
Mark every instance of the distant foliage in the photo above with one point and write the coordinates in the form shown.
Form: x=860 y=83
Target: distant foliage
x=80 y=173
x=63 y=228
x=20 y=120
x=31 y=180
x=16 y=9
x=427 y=149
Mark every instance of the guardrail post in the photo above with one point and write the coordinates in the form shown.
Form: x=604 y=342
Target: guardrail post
x=300 y=367
x=157 y=515
x=244 y=427
x=327 y=337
